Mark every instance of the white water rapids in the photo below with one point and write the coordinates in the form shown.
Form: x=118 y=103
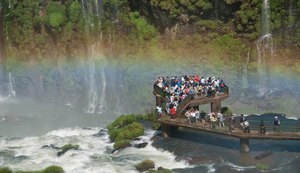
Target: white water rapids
x=94 y=154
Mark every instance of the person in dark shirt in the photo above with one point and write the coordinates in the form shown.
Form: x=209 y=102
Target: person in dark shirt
x=262 y=126
x=276 y=123
x=242 y=119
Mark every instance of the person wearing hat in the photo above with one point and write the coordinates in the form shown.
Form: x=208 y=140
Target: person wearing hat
x=276 y=123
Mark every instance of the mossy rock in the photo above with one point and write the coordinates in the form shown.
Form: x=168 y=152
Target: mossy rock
x=54 y=169
x=70 y=146
x=262 y=167
x=49 y=169
x=122 y=144
x=145 y=165
x=155 y=125
x=66 y=148
x=160 y=170
x=124 y=120
x=130 y=131
x=5 y=170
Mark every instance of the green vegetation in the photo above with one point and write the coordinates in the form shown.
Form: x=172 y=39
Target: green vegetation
x=145 y=165
x=5 y=170
x=69 y=146
x=160 y=170
x=66 y=148
x=121 y=144
x=124 y=129
x=49 y=169
x=213 y=32
x=226 y=111
x=262 y=167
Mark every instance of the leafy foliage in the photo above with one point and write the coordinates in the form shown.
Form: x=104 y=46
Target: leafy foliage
x=145 y=165
x=49 y=169
x=73 y=11
x=142 y=30
x=124 y=129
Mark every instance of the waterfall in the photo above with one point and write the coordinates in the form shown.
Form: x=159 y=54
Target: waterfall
x=92 y=11
x=245 y=70
x=265 y=11
x=264 y=44
x=11 y=84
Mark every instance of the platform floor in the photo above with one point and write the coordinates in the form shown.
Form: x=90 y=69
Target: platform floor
x=236 y=130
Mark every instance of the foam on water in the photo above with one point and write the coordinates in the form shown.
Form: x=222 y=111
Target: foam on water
x=93 y=155
x=211 y=168
x=237 y=167
x=160 y=157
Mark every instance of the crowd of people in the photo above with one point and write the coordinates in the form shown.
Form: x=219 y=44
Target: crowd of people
x=179 y=87
x=194 y=116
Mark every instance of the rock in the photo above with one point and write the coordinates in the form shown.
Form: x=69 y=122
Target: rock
x=101 y=132
x=263 y=155
x=141 y=145
x=137 y=139
x=66 y=148
x=51 y=146
x=164 y=135
x=145 y=165
x=60 y=153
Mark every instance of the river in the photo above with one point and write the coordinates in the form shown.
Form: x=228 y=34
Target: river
x=27 y=126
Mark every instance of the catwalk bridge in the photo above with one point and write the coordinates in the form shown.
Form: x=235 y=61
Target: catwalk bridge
x=288 y=131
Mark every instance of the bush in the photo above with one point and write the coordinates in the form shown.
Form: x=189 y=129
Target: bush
x=124 y=129
x=121 y=144
x=122 y=121
x=142 y=30
x=130 y=131
x=5 y=170
x=74 y=11
x=145 y=165
x=56 y=15
x=226 y=111
x=53 y=169
x=205 y=25
x=56 y=19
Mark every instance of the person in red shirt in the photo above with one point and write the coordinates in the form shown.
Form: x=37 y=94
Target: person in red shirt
x=173 y=112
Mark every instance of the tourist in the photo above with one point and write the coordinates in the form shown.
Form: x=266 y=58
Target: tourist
x=213 y=120
x=202 y=116
x=188 y=116
x=246 y=126
x=242 y=118
x=159 y=111
x=197 y=112
x=193 y=116
x=262 y=126
x=276 y=123
x=221 y=120
x=173 y=111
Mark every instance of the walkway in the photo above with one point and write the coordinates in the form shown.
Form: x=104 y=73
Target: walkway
x=291 y=133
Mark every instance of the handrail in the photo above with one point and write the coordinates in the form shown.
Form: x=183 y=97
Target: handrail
x=160 y=91
x=181 y=106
